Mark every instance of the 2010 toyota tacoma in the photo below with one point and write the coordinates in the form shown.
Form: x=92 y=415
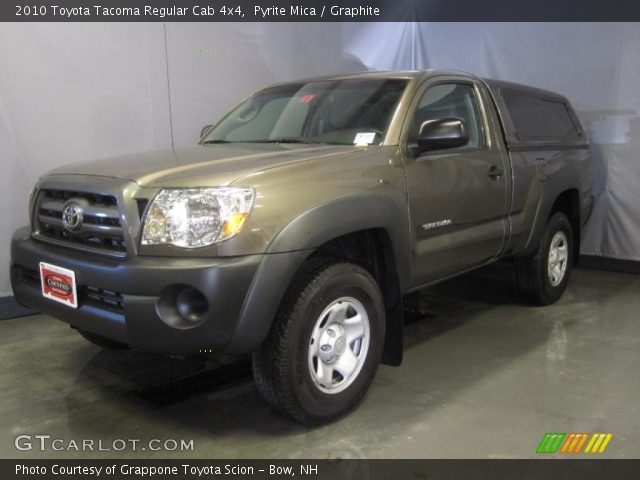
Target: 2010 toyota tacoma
x=296 y=225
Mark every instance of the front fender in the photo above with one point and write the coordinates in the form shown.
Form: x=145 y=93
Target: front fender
x=343 y=216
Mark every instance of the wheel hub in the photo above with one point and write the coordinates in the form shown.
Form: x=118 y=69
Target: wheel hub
x=557 y=258
x=339 y=344
x=332 y=343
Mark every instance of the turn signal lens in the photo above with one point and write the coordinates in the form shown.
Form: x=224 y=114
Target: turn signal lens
x=233 y=224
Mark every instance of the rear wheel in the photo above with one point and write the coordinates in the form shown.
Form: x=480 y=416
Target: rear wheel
x=543 y=276
x=102 y=342
x=325 y=345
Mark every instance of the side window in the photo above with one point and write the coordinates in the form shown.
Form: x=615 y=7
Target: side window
x=453 y=100
x=558 y=119
x=538 y=118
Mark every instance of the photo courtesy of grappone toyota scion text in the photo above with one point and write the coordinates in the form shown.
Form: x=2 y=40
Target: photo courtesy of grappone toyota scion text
x=293 y=229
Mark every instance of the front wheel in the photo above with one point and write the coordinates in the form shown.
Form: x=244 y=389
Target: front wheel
x=325 y=345
x=543 y=276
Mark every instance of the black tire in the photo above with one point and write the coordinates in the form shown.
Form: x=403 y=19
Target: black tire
x=102 y=342
x=532 y=272
x=282 y=367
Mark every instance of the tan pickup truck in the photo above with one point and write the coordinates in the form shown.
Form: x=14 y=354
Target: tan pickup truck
x=296 y=225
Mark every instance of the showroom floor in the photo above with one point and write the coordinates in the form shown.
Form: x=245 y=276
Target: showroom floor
x=484 y=376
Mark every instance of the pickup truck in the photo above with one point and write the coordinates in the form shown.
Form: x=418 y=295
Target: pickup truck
x=297 y=224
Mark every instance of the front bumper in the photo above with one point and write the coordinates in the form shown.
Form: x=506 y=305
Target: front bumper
x=119 y=299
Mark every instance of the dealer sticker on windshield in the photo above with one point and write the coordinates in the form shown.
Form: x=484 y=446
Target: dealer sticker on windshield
x=59 y=284
x=364 y=138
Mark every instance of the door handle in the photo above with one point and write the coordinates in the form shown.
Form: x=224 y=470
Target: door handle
x=495 y=172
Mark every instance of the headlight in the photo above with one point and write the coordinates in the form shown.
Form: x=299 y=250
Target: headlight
x=196 y=217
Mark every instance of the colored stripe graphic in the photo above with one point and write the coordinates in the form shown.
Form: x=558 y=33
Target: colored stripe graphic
x=574 y=443
x=550 y=442
x=598 y=443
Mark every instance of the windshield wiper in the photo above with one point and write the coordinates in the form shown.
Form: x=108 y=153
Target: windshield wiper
x=207 y=142
x=281 y=140
x=265 y=140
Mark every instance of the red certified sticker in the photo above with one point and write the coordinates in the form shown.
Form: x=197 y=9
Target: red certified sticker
x=307 y=98
x=59 y=284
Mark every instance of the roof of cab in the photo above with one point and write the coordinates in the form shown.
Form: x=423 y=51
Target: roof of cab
x=492 y=84
x=383 y=74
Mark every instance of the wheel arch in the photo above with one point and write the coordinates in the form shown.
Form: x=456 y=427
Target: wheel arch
x=563 y=198
x=568 y=202
x=326 y=222
x=372 y=249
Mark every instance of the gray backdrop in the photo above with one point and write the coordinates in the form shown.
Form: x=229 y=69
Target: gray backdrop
x=69 y=92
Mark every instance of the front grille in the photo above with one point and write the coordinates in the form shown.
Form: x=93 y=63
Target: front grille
x=99 y=230
x=104 y=299
x=87 y=295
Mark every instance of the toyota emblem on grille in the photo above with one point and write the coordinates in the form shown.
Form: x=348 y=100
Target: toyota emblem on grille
x=72 y=217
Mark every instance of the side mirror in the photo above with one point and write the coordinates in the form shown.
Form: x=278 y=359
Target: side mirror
x=204 y=130
x=442 y=133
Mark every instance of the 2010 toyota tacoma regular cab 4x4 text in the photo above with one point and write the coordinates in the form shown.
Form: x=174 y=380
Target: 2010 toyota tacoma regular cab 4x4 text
x=296 y=225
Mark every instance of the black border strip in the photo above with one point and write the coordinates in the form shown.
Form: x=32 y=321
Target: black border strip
x=577 y=468
x=367 y=10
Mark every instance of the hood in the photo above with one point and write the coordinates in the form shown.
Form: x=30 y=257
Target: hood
x=201 y=165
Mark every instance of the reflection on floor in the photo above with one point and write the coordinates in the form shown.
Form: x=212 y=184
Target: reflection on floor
x=484 y=375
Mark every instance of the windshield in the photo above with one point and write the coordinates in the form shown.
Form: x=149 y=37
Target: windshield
x=344 y=112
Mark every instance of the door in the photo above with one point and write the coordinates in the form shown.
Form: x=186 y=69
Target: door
x=458 y=197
